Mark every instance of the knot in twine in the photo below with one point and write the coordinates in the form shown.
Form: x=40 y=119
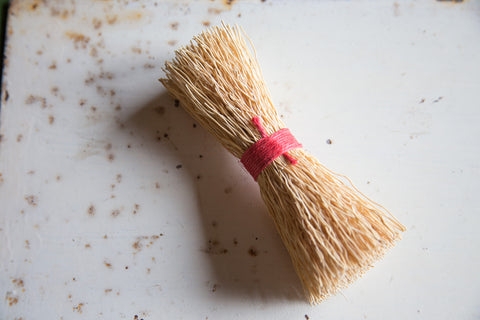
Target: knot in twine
x=259 y=155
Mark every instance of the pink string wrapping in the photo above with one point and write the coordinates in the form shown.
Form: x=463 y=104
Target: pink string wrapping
x=267 y=149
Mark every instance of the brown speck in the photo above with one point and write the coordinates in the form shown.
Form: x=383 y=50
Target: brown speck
x=39 y=52
x=112 y=93
x=107 y=264
x=53 y=66
x=329 y=141
x=88 y=246
x=31 y=200
x=148 y=66
x=18 y=283
x=90 y=80
x=214 y=11
x=19 y=137
x=176 y=103
x=96 y=23
x=69 y=60
x=79 y=40
x=136 y=50
x=58 y=178
x=228 y=190
x=54 y=91
x=70 y=296
x=235 y=241
x=422 y=100
x=105 y=237
x=107 y=291
x=206 y=23
x=31 y=99
x=252 y=252
x=118 y=178
x=82 y=102
x=112 y=19
x=214 y=288
x=115 y=213
x=111 y=157
x=137 y=245
x=78 y=308
x=200 y=156
x=51 y=119
x=7 y=95
x=157 y=185
x=108 y=146
x=199 y=177
x=179 y=166
x=27 y=244
x=12 y=300
x=174 y=25
x=136 y=207
x=91 y=210
x=148 y=270
x=94 y=52
x=172 y=42
x=160 y=110
x=307 y=317
x=118 y=107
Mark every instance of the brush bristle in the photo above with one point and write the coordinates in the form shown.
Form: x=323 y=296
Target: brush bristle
x=332 y=232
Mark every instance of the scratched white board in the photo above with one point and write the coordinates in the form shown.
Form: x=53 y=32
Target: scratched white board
x=114 y=204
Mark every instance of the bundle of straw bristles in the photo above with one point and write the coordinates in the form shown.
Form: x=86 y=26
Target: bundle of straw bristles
x=332 y=232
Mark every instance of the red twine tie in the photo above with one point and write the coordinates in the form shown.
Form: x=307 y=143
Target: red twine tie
x=267 y=149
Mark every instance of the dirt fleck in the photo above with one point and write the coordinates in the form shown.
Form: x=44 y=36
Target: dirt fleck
x=228 y=190
x=18 y=283
x=82 y=102
x=235 y=242
x=137 y=245
x=12 y=300
x=136 y=50
x=115 y=213
x=97 y=24
x=172 y=42
x=106 y=75
x=174 y=25
x=329 y=141
x=213 y=247
x=105 y=237
x=160 y=110
x=206 y=23
x=148 y=270
x=53 y=66
x=214 y=224
x=39 y=52
x=214 y=11
x=157 y=185
x=91 y=210
x=78 y=308
x=79 y=40
x=94 y=52
x=118 y=178
x=107 y=291
x=51 y=119
x=179 y=166
x=118 y=107
x=31 y=200
x=422 y=100
x=108 y=146
x=27 y=244
x=58 y=177
x=176 y=103
x=214 y=288
x=148 y=66
x=307 y=317
x=87 y=246
x=111 y=157
x=136 y=207
x=252 y=252
x=107 y=264
x=31 y=99
x=112 y=19
x=19 y=137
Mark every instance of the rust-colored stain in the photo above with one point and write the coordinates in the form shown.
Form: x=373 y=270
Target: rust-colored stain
x=78 y=308
x=79 y=39
x=108 y=264
x=31 y=99
x=18 y=282
x=253 y=252
x=31 y=200
x=51 y=119
x=91 y=210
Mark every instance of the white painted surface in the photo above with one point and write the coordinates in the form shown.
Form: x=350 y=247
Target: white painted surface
x=394 y=85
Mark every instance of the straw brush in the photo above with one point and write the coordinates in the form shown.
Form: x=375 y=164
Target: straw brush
x=332 y=232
